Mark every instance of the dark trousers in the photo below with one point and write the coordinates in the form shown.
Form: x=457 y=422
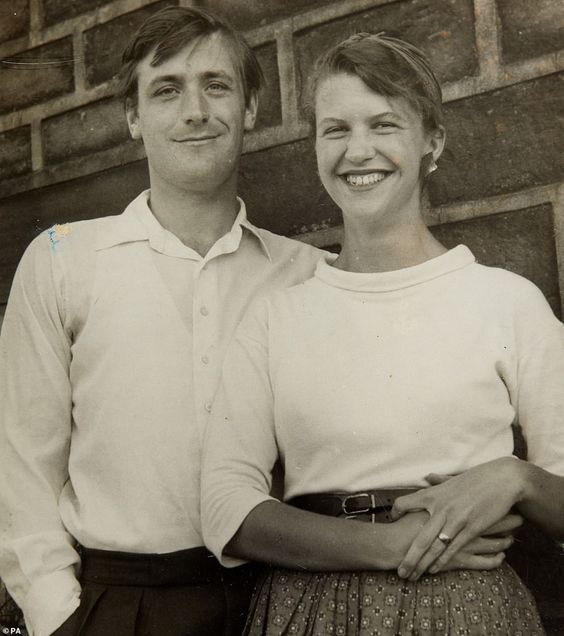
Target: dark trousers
x=184 y=593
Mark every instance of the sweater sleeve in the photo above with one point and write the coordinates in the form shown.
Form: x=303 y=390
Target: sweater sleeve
x=240 y=449
x=37 y=555
x=540 y=381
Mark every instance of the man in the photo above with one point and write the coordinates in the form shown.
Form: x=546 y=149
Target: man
x=111 y=351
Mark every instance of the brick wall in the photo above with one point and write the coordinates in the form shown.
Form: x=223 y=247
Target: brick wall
x=65 y=152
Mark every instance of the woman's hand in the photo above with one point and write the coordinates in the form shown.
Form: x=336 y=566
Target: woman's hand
x=482 y=553
x=461 y=508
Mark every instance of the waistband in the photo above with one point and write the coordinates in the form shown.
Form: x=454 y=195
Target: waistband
x=368 y=505
x=195 y=566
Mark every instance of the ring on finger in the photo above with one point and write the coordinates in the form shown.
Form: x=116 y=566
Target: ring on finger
x=444 y=538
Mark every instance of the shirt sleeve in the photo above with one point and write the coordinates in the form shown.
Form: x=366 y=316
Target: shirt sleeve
x=240 y=448
x=37 y=555
x=540 y=381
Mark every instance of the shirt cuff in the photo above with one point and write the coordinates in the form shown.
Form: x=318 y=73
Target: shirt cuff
x=50 y=600
x=229 y=522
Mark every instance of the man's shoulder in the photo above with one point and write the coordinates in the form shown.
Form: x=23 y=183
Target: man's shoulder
x=284 y=248
x=83 y=236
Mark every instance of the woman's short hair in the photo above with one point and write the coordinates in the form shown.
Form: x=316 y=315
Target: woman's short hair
x=387 y=65
x=168 y=31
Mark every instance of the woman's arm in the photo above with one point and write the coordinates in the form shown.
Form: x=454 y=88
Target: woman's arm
x=466 y=505
x=461 y=507
x=285 y=536
x=242 y=521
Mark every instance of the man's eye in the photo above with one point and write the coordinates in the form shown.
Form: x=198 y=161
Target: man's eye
x=216 y=87
x=166 y=91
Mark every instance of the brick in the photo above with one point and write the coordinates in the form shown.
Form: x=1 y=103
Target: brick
x=529 y=29
x=59 y=10
x=249 y=15
x=270 y=113
x=14 y=19
x=85 y=130
x=104 y=44
x=520 y=241
x=36 y=75
x=502 y=141
x=443 y=29
x=282 y=190
x=26 y=215
x=15 y=152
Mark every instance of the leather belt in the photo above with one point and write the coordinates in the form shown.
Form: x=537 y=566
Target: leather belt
x=368 y=505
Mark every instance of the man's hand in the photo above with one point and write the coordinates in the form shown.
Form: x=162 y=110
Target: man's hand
x=461 y=508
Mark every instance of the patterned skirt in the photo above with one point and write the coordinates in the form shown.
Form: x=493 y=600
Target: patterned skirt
x=461 y=602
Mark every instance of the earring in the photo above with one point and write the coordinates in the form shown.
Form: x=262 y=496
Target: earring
x=431 y=167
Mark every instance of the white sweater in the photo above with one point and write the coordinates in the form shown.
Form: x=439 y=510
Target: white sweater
x=364 y=381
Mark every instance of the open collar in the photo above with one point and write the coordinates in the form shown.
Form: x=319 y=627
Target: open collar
x=138 y=223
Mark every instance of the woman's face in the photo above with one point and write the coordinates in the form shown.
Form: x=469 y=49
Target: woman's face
x=369 y=149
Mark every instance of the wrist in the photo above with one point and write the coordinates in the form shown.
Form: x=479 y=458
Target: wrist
x=520 y=477
x=385 y=550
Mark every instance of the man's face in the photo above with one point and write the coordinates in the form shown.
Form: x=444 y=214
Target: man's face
x=191 y=115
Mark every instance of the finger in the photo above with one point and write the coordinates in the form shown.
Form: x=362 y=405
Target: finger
x=407 y=503
x=474 y=562
x=435 y=479
x=420 y=545
x=508 y=524
x=460 y=540
x=427 y=560
x=439 y=546
x=483 y=545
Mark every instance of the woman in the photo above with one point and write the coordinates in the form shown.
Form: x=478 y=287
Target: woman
x=400 y=362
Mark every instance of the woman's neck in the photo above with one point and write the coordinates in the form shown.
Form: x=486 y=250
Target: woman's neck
x=371 y=248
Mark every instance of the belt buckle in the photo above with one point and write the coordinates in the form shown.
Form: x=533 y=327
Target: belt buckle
x=351 y=514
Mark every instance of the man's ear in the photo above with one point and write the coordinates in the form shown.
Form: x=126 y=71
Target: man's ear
x=251 y=111
x=132 y=117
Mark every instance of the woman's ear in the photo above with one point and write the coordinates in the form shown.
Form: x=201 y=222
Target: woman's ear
x=132 y=117
x=437 y=141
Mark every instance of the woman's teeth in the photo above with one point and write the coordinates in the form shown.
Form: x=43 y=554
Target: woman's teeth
x=365 y=179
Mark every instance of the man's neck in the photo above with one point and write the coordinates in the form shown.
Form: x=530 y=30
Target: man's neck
x=198 y=219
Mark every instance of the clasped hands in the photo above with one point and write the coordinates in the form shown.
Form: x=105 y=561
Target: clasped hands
x=470 y=523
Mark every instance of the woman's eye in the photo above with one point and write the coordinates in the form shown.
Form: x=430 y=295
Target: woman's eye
x=384 y=126
x=335 y=131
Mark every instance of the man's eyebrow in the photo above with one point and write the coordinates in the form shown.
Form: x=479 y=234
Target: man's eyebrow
x=217 y=74
x=159 y=79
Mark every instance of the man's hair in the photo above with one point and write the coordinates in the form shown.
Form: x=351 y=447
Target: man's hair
x=389 y=66
x=168 y=31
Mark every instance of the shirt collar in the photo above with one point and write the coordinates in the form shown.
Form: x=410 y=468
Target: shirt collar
x=138 y=223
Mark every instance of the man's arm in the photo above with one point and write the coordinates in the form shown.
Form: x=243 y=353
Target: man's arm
x=37 y=556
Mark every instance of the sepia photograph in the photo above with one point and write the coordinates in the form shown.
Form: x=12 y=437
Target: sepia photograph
x=281 y=303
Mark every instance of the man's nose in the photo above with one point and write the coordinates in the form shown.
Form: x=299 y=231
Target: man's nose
x=194 y=108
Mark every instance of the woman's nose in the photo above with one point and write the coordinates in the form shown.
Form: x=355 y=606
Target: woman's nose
x=359 y=148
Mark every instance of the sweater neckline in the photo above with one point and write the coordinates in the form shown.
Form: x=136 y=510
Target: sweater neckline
x=450 y=261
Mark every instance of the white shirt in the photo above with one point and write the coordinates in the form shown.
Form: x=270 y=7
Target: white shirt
x=111 y=350
x=363 y=381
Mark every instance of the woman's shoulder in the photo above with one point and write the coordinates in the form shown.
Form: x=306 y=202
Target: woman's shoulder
x=510 y=293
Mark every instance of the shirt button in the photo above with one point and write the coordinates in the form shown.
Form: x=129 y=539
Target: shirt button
x=208 y=407
x=205 y=359
x=204 y=310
